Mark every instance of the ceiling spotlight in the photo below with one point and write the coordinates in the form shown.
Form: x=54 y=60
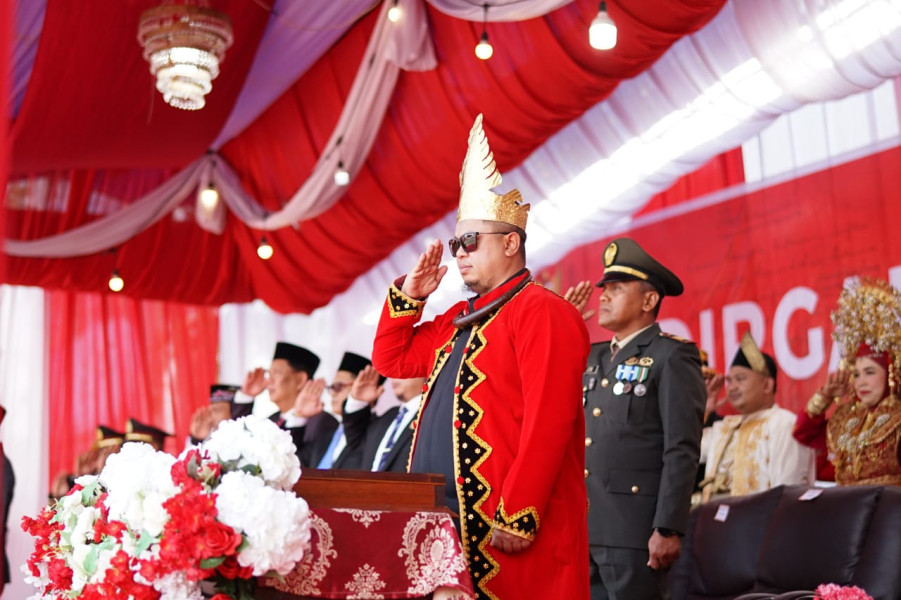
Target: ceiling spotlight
x=484 y=49
x=395 y=13
x=342 y=177
x=208 y=196
x=116 y=283
x=264 y=250
x=602 y=33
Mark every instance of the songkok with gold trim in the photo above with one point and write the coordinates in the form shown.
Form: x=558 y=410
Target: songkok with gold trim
x=478 y=177
x=750 y=357
x=625 y=260
x=135 y=431
x=105 y=437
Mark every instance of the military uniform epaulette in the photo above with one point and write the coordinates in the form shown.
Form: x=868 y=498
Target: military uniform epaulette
x=675 y=337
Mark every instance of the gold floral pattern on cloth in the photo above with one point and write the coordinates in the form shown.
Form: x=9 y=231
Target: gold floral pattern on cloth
x=745 y=468
x=306 y=577
x=355 y=554
x=365 y=584
x=863 y=445
x=364 y=517
x=431 y=555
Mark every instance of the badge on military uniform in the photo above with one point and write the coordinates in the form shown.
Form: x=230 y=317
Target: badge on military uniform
x=629 y=377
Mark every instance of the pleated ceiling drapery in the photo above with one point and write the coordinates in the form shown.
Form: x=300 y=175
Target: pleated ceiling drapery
x=407 y=180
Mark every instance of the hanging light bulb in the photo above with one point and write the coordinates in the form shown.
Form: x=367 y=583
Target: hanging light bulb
x=116 y=283
x=264 y=250
x=484 y=49
x=342 y=177
x=395 y=13
x=602 y=32
x=208 y=196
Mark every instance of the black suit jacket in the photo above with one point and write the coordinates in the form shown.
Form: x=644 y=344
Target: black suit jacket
x=312 y=439
x=365 y=432
x=641 y=449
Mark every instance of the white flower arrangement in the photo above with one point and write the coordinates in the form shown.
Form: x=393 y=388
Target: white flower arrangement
x=152 y=526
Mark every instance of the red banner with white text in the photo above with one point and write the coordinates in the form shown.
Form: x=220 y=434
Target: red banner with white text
x=771 y=261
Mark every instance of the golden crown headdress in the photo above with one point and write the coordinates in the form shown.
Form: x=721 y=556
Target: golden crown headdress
x=869 y=312
x=478 y=177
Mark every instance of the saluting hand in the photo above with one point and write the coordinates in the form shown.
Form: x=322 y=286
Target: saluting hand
x=202 y=423
x=427 y=274
x=309 y=400
x=366 y=386
x=578 y=296
x=255 y=382
x=837 y=384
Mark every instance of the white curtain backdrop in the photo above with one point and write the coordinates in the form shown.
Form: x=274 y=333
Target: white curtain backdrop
x=23 y=391
x=711 y=92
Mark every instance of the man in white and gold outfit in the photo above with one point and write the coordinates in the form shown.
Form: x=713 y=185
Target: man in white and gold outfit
x=754 y=450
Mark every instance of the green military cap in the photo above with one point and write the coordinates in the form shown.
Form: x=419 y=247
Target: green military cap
x=625 y=260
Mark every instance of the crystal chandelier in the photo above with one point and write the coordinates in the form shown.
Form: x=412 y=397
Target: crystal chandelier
x=184 y=45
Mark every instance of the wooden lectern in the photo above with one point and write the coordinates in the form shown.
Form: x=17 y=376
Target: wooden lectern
x=369 y=530
x=374 y=491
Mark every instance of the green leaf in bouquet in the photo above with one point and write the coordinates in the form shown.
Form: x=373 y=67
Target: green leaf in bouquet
x=90 y=561
x=144 y=541
x=87 y=493
x=252 y=469
x=108 y=543
x=212 y=563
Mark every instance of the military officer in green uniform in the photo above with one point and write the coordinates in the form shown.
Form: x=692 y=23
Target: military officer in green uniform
x=644 y=402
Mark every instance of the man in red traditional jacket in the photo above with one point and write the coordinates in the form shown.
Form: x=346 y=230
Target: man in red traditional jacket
x=502 y=415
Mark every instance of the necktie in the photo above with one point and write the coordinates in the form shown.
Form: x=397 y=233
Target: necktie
x=614 y=348
x=395 y=430
x=328 y=458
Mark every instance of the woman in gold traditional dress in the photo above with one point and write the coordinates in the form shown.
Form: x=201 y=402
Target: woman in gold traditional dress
x=862 y=436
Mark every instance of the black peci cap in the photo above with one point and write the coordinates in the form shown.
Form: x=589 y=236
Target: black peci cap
x=299 y=358
x=750 y=357
x=353 y=363
x=625 y=260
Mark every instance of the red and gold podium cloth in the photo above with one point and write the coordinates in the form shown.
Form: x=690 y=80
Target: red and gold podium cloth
x=371 y=554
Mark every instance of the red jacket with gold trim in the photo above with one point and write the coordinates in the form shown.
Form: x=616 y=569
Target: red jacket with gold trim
x=519 y=450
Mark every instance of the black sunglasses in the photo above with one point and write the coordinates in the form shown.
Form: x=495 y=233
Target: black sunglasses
x=470 y=241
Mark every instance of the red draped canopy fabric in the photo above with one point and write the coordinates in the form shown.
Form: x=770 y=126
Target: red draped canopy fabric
x=113 y=357
x=542 y=76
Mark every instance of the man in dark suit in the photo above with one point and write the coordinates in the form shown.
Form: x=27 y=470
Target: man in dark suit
x=341 y=451
x=644 y=402
x=385 y=440
x=298 y=397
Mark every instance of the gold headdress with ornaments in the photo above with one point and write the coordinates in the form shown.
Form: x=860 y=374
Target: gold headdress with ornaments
x=869 y=312
x=478 y=177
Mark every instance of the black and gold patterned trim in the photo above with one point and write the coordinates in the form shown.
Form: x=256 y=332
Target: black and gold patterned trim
x=470 y=451
x=401 y=305
x=523 y=523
